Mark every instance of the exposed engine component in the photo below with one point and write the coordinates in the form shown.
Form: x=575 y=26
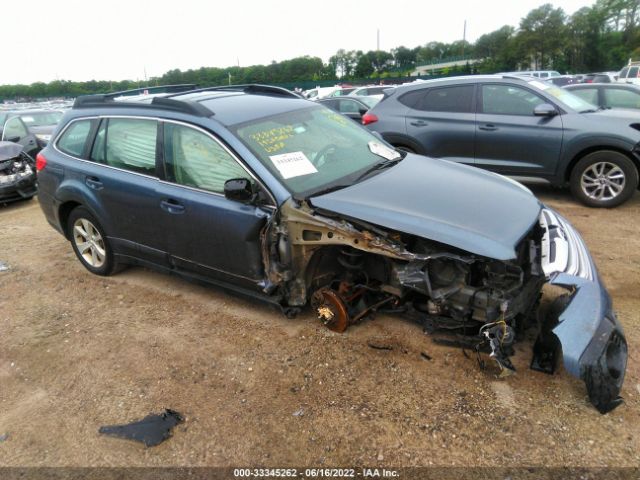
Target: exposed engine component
x=15 y=169
x=500 y=337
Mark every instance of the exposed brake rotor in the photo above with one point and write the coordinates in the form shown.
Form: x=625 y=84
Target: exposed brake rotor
x=331 y=309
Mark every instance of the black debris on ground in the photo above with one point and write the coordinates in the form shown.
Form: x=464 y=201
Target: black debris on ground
x=152 y=430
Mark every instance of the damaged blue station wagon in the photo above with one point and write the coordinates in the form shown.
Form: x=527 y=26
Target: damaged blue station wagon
x=257 y=190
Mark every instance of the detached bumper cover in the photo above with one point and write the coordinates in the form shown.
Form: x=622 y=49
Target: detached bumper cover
x=594 y=348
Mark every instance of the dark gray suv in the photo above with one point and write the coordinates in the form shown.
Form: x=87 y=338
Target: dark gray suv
x=518 y=127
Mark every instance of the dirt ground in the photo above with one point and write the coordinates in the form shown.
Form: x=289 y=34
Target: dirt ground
x=79 y=351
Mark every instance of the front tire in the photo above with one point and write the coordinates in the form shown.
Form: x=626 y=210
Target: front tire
x=604 y=179
x=90 y=243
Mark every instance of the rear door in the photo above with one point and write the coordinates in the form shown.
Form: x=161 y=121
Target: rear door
x=443 y=121
x=207 y=233
x=510 y=139
x=122 y=176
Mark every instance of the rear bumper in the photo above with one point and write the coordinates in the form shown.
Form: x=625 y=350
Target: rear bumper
x=594 y=348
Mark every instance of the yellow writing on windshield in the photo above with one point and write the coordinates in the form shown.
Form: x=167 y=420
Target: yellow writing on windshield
x=273 y=140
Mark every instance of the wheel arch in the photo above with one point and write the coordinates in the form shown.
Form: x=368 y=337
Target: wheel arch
x=597 y=148
x=405 y=141
x=64 y=210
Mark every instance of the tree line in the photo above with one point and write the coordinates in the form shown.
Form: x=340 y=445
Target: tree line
x=597 y=38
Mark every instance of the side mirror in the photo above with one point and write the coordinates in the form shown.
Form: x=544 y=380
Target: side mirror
x=545 y=110
x=238 y=189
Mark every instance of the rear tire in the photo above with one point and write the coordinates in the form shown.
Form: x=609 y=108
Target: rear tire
x=604 y=179
x=90 y=243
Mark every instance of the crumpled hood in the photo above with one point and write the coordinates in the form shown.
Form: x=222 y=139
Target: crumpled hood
x=458 y=205
x=9 y=150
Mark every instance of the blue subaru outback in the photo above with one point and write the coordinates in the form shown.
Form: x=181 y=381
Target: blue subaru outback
x=254 y=189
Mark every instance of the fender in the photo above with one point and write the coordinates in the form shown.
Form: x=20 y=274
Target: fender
x=579 y=146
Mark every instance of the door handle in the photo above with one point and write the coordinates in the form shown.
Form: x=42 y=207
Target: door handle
x=172 y=206
x=488 y=127
x=93 y=182
x=419 y=123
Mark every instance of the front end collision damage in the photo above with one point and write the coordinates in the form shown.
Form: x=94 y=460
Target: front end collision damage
x=17 y=173
x=593 y=345
x=349 y=269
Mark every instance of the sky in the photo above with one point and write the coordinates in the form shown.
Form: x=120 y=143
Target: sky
x=115 y=40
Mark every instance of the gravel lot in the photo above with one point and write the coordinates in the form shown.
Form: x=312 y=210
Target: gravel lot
x=79 y=351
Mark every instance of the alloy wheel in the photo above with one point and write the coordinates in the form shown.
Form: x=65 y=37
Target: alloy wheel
x=603 y=181
x=89 y=243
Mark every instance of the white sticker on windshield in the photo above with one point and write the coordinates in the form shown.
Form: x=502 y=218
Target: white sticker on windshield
x=540 y=85
x=294 y=164
x=383 y=151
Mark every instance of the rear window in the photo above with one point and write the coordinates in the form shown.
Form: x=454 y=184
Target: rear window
x=74 y=138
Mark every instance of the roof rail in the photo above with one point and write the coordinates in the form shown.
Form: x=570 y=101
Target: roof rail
x=182 y=87
x=158 y=103
x=254 y=88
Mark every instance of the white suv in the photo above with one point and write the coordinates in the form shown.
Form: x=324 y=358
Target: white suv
x=630 y=73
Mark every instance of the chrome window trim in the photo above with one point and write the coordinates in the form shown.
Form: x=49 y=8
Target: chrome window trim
x=165 y=120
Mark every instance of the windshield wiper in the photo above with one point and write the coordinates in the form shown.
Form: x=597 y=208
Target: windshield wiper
x=322 y=191
x=377 y=167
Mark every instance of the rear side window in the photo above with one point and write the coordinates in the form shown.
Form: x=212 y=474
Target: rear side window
x=458 y=99
x=74 y=138
x=126 y=143
x=587 y=94
x=411 y=99
x=633 y=72
x=196 y=160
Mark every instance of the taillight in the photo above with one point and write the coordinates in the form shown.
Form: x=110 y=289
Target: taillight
x=368 y=118
x=41 y=162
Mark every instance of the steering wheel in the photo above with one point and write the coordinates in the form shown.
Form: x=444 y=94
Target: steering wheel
x=321 y=157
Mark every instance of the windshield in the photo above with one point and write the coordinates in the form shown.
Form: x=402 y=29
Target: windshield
x=41 y=119
x=313 y=149
x=564 y=96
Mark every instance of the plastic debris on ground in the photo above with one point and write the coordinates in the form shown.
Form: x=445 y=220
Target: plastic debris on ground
x=152 y=430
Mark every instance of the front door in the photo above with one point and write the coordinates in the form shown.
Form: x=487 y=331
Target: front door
x=207 y=233
x=510 y=139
